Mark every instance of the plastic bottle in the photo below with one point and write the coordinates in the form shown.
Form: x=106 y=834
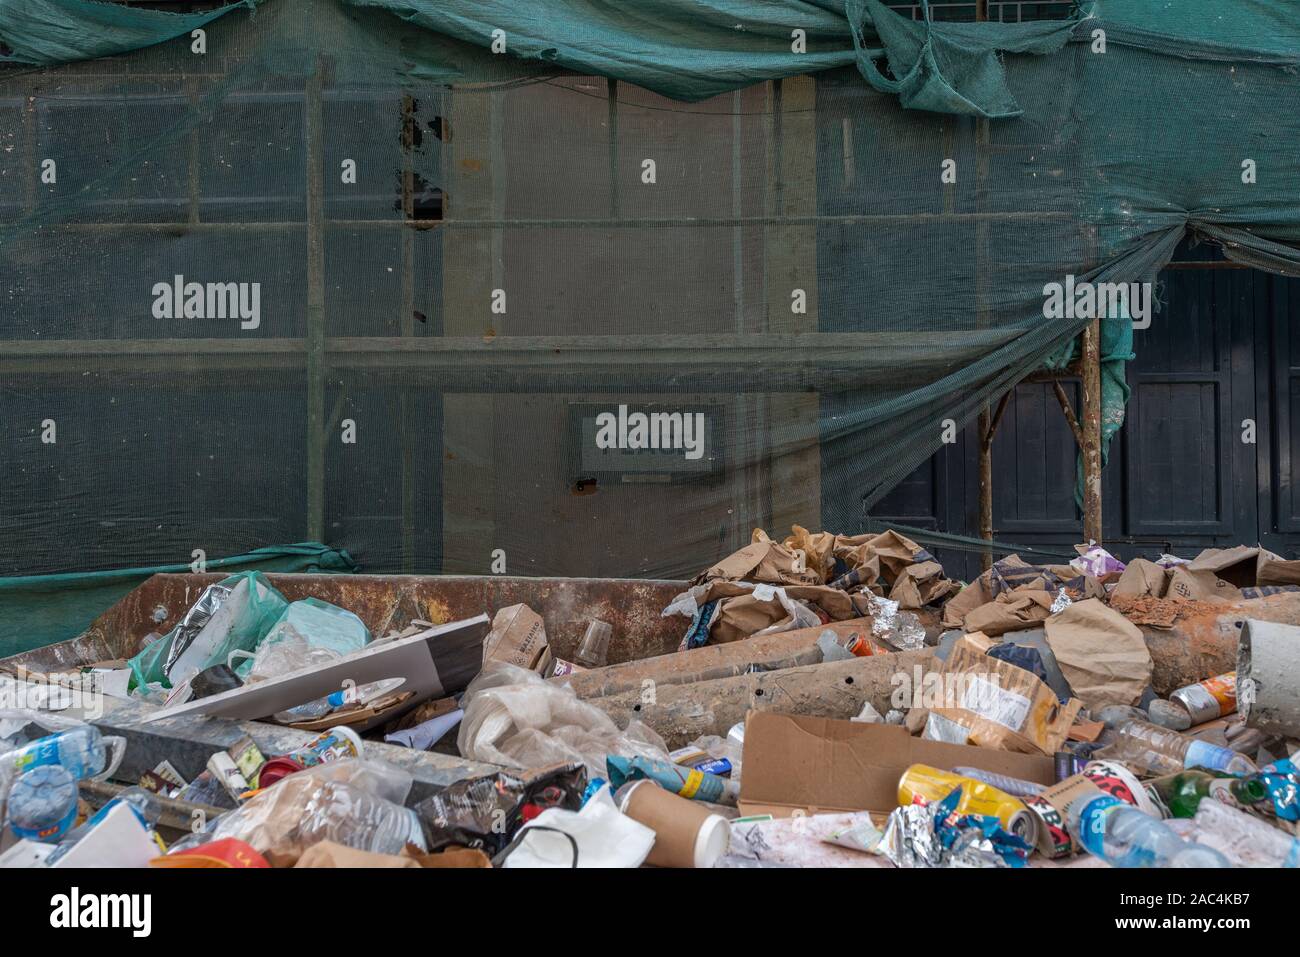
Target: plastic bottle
x=1003 y=782
x=1246 y=841
x=1181 y=794
x=593 y=650
x=82 y=751
x=42 y=804
x=1151 y=750
x=1123 y=836
x=305 y=809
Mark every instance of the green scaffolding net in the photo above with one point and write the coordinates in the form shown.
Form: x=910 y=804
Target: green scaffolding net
x=571 y=287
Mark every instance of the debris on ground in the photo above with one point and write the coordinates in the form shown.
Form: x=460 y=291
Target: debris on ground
x=835 y=700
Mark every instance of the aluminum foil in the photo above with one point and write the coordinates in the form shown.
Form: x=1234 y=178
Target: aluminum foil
x=933 y=835
x=901 y=629
x=909 y=839
x=200 y=614
x=1061 y=602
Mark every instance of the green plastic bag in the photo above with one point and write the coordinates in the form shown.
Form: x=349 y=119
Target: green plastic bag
x=309 y=631
x=240 y=609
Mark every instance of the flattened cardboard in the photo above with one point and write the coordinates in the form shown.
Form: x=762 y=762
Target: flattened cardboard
x=819 y=765
x=434 y=662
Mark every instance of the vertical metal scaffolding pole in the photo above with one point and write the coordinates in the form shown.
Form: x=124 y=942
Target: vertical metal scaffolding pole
x=1090 y=368
x=987 y=424
x=406 y=400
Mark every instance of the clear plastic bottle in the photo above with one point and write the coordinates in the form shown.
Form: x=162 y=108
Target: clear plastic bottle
x=304 y=809
x=81 y=751
x=1246 y=841
x=1123 y=836
x=1152 y=750
x=42 y=805
x=1013 y=786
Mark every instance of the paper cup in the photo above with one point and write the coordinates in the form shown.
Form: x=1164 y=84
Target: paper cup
x=687 y=834
x=1119 y=782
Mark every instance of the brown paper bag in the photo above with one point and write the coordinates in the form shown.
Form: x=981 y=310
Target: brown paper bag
x=1101 y=653
x=818 y=549
x=762 y=560
x=1011 y=611
x=331 y=854
x=974 y=595
x=1203 y=585
x=1002 y=706
x=448 y=857
x=518 y=636
x=1142 y=577
x=889 y=552
x=920 y=585
x=1236 y=565
x=1272 y=569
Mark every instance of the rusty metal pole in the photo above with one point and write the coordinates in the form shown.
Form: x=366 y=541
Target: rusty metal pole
x=1090 y=369
x=984 y=426
x=988 y=427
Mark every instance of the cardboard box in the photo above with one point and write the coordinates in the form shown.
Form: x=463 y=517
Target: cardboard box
x=518 y=636
x=820 y=765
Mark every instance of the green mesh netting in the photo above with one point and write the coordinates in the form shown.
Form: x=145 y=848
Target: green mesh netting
x=430 y=274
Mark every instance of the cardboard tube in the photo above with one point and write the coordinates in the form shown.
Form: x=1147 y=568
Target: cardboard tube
x=687 y=834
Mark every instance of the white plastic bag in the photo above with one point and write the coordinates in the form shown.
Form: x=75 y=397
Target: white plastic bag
x=599 y=835
x=513 y=717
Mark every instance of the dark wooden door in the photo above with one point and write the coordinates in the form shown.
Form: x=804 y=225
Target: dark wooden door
x=1206 y=455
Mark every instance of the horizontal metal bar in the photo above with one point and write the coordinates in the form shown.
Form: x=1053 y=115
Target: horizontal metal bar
x=763 y=362
x=885 y=219
x=1212 y=264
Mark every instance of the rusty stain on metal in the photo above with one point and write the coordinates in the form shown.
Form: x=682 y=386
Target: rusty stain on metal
x=390 y=602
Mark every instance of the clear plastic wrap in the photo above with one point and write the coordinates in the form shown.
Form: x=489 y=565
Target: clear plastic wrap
x=516 y=719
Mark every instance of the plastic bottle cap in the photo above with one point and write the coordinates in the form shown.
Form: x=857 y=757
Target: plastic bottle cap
x=343 y=731
x=712 y=841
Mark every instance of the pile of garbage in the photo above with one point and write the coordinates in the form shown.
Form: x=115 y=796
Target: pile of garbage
x=1023 y=728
